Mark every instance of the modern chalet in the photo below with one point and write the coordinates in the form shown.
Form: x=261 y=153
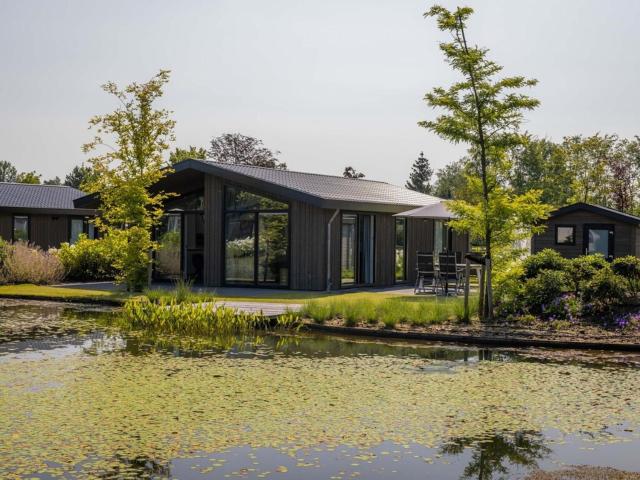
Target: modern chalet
x=43 y=215
x=238 y=225
x=582 y=229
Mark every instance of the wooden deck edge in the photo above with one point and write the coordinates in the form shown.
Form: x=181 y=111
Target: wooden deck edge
x=474 y=339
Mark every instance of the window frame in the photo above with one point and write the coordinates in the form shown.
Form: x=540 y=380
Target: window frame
x=404 y=222
x=86 y=220
x=358 y=264
x=564 y=244
x=13 y=227
x=256 y=241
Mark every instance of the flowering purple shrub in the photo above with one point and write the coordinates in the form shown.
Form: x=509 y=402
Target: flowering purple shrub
x=627 y=321
x=565 y=307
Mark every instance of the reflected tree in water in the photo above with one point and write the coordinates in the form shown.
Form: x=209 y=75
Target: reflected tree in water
x=492 y=456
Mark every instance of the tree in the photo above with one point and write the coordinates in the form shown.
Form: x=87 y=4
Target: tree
x=420 y=176
x=540 y=164
x=125 y=173
x=243 y=150
x=180 y=154
x=623 y=169
x=8 y=172
x=451 y=181
x=79 y=176
x=53 y=181
x=588 y=159
x=484 y=112
x=350 y=172
x=28 y=177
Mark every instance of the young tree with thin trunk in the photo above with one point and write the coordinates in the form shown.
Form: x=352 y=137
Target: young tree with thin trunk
x=126 y=171
x=484 y=112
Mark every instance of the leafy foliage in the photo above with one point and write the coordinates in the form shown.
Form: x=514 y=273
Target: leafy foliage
x=547 y=259
x=243 y=150
x=28 y=177
x=628 y=268
x=350 y=172
x=8 y=172
x=89 y=259
x=124 y=175
x=544 y=288
x=180 y=154
x=79 y=177
x=604 y=291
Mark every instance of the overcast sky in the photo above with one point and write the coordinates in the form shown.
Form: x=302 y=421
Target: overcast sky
x=328 y=83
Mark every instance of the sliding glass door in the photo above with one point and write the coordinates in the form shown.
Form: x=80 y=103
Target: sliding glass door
x=357 y=249
x=256 y=239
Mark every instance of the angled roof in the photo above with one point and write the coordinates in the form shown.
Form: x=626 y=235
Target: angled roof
x=326 y=191
x=24 y=197
x=438 y=211
x=604 y=211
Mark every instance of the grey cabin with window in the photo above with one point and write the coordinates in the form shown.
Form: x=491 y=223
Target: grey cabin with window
x=582 y=229
x=42 y=215
x=239 y=225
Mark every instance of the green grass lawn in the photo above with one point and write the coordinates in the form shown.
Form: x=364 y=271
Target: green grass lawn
x=46 y=292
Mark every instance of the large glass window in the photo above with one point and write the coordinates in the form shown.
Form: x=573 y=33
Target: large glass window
x=256 y=239
x=20 y=228
x=357 y=249
x=401 y=249
x=169 y=240
x=80 y=226
x=348 y=253
x=240 y=235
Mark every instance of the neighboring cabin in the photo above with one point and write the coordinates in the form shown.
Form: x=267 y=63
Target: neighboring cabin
x=583 y=228
x=238 y=225
x=43 y=215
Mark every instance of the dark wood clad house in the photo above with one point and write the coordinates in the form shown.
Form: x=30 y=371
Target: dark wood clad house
x=43 y=215
x=238 y=225
x=582 y=229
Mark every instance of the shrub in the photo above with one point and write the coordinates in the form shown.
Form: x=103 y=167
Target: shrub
x=88 y=259
x=565 y=307
x=547 y=259
x=508 y=289
x=29 y=264
x=604 y=291
x=544 y=289
x=4 y=250
x=628 y=268
x=583 y=268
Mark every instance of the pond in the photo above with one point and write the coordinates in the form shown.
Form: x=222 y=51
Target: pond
x=80 y=398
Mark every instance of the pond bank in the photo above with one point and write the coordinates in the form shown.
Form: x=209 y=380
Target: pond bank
x=492 y=335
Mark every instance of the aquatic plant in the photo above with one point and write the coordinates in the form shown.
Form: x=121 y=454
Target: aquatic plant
x=200 y=318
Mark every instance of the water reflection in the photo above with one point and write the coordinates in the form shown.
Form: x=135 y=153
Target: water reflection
x=495 y=456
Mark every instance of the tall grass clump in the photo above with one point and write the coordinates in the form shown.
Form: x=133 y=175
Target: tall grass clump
x=195 y=318
x=23 y=263
x=389 y=311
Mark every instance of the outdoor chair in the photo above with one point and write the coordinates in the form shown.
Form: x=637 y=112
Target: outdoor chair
x=449 y=275
x=426 y=273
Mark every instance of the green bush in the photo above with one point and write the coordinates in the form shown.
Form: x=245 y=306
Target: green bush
x=542 y=290
x=508 y=289
x=603 y=292
x=583 y=268
x=88 y=260
x=628 y=268
x=4 y=250
x=547 y=259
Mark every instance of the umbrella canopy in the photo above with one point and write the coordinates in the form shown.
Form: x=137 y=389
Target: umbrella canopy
x=438 y=211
